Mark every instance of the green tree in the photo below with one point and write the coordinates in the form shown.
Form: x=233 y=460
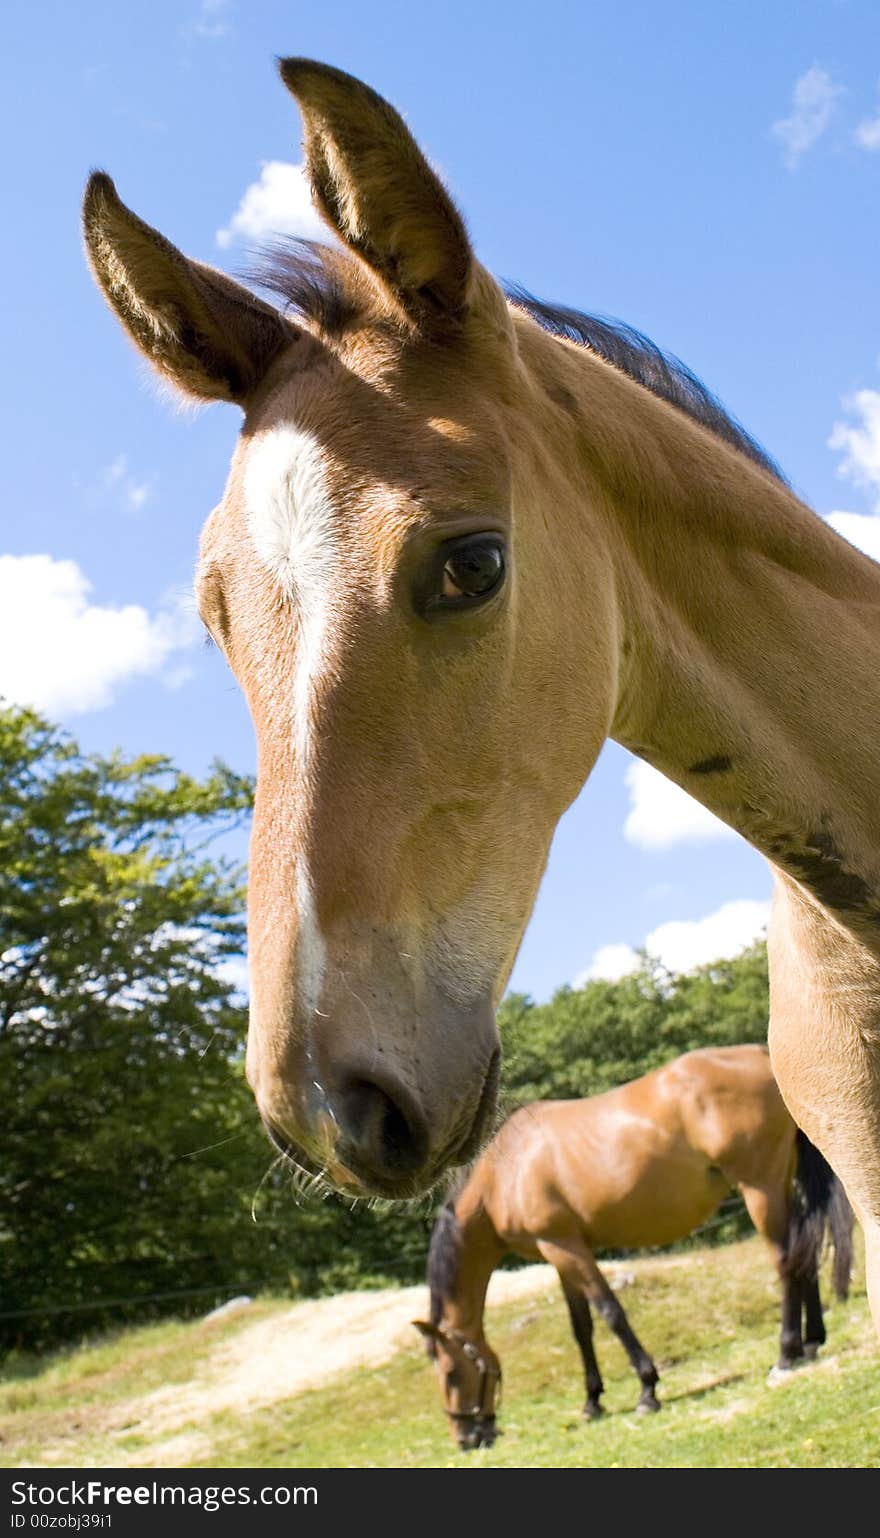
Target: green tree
x=113 y=925
x=589 y=1039
x=133 y=1161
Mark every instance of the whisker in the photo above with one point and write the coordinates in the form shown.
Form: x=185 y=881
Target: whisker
x=207 y=1149
x=279 y=1159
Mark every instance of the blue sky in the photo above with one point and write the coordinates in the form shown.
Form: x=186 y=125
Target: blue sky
x=708 y=173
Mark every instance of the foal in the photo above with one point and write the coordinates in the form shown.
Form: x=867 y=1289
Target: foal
x=640 y=1165
x=463 y=541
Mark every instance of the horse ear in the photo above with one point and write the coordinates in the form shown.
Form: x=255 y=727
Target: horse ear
x=424 y=1328
x=431 y=1333
x=207 y=334
x=375 y=189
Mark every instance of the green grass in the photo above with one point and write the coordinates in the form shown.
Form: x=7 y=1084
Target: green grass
x=709 y=1317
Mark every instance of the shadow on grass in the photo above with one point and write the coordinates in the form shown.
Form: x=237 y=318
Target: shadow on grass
x=708 y=1387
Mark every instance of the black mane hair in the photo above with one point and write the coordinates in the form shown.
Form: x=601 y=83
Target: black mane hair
x=323 y=285
x=443 y=1257
x=658 y=371
x=310 y=279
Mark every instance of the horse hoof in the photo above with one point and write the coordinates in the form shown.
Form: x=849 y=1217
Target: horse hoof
x=783 y=1370
x=811 y=1350
x=647 y=1407
x=593 y=1412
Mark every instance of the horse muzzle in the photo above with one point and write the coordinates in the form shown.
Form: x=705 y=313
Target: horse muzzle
x=480 y=1432
x=370 y=1136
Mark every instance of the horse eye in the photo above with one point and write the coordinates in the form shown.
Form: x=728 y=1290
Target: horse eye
x=473 y=570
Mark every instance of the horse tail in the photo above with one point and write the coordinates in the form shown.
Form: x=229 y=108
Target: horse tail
x=443 y=1256
x=840 y=1221
x=817 y=1201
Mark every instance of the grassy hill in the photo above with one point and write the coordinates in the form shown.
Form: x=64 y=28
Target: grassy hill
x=235 y=1391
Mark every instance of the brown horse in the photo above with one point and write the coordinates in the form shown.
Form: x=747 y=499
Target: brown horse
x=465 y=538
x=641 y=1165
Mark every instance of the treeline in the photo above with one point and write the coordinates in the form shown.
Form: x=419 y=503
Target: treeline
x=135 y=1178
x=589 y=1039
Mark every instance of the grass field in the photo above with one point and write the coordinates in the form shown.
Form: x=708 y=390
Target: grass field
x=709 y=1317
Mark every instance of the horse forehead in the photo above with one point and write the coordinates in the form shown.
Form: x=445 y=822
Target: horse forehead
x=310 y=496
x=288 y=502
x=305 y=514
x=392 y=449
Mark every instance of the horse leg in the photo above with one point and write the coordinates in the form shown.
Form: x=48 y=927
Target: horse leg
x=814 y=1324
x=582 y=1325
x=768 y=1210
x=612 y=1312
x=824 y=1043
x=791 y=1345
x=574 y=1257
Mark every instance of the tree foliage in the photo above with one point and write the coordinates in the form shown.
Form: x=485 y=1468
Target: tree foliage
x=132 y=1154
x=590 y=1039
x=117 y=1030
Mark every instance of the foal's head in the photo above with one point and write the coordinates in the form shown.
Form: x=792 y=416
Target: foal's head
x=388 y=576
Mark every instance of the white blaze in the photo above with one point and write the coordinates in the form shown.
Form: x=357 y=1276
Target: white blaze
x=311 y=947
x=291 y=523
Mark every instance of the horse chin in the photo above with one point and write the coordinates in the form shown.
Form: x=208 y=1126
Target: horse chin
x=332 y=1178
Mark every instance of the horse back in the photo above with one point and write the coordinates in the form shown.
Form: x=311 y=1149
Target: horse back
x=641 y=1164
x=615 y=1169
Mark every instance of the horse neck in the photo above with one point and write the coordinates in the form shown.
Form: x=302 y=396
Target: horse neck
x=479 y=1254
x=750 y=642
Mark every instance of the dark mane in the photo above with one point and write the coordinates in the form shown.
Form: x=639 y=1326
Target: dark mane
x=443 y=1257
x=317 y=283
x=646 y=363
x=325 y=287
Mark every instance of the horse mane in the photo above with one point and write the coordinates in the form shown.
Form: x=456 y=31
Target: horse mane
x=444 y=1253
x=317 y=283
x=324 y=286
x=658 y=371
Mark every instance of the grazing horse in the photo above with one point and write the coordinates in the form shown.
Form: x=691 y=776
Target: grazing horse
x=465 y=538
x=644 y=1164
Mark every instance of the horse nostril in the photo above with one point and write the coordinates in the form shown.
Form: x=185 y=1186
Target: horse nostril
x=383 y=1133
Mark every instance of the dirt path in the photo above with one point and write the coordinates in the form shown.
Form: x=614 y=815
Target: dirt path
x=254 y=1364
x=276 y=1358
x=298 y=1349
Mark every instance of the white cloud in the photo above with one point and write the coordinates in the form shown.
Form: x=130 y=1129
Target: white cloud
x=117 y=479
x=280 y=203
x=64 y=655
x=868 y=133
x=860 y=529
x=813 y=102
x=214 y=19
x=662 y=814
x=860 y=445
x=683 y=944
x=610 y=963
